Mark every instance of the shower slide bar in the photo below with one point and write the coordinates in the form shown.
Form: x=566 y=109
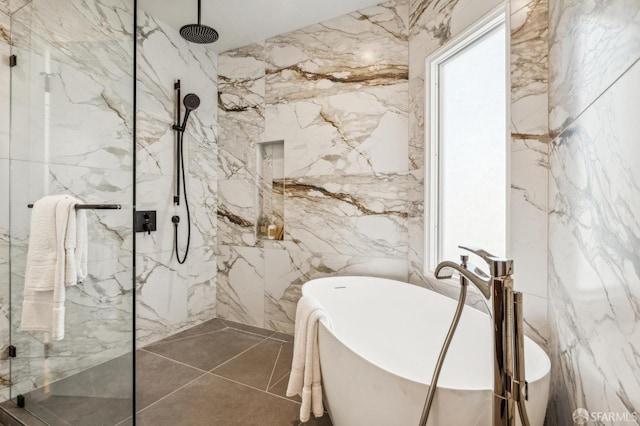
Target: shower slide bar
x=93 y=206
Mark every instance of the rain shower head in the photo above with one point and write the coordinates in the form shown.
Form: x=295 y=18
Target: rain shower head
x=198 y=33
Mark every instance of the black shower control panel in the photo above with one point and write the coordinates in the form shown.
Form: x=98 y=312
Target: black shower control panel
x=146 y=221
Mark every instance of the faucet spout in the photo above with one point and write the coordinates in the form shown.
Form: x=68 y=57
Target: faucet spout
x=506 y=309
x=445 y=270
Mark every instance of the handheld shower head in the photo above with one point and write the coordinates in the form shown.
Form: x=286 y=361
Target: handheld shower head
x=191 y=102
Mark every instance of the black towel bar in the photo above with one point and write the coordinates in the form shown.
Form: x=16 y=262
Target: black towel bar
x=93 y=206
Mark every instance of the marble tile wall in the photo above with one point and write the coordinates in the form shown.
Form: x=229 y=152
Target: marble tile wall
x=594 y=220
x=337 y=94
x=5 y=75
x=354 y=141
x=93 y=161
x=530 y=160
x=171 y=296
x=72 y=133
x=7 y=7
x=433 y=24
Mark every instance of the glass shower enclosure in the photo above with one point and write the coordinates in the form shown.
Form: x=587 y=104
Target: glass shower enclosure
x=72 y=132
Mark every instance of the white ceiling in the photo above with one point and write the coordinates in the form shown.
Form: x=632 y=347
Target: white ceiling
x=242 y=22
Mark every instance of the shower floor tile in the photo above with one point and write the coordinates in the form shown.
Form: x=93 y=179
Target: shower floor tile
x=217 y=373
x=156 y=377
x=207 y=351
x=213 y=400
x=245 y=387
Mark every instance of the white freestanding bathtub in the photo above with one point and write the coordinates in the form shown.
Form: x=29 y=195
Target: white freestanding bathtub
x=378 y=359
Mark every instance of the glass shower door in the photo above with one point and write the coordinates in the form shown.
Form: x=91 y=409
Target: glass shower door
x=72 y=117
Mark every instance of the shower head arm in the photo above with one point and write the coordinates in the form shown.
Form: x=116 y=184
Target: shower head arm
x=199 y=8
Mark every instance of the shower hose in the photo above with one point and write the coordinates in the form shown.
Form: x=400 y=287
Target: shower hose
x=443 y=352
x=176 y=219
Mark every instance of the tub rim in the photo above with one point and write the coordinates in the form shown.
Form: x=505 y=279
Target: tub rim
x=545 y=372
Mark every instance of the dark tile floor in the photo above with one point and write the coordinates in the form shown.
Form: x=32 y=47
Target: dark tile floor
x=217 y=373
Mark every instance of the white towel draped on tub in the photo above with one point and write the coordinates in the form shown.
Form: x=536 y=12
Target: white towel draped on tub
x=305 y=379
x=57 y=258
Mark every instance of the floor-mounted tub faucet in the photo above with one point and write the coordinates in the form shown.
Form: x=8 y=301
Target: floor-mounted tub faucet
x=509 y=385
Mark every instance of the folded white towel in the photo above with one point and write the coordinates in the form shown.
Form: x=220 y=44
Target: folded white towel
x=41 y=258
x=82 y=245
x=76 y=246
x=51 y=264
x=305 y=378
x=70 y=237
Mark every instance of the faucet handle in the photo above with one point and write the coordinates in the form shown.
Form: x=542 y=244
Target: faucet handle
x=485 y=255
x=498 y=266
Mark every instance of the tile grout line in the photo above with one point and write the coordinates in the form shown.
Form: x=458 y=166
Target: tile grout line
x=159 y=342
x=231 y=324
x=257 y=389
x=227 y=328
x=251 y=333
x=122 y=422
x=172 y=392
x=237 y=355
x=51 y=413
x=217 y=366
x=273 y=370
x=279 y=380
x=563 y=127
x=173 y=360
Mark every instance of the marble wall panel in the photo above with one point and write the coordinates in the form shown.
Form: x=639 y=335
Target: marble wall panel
x=237 y=211
x=7 y=7
x=5 y=104
x=241 y=109
x=337 y=94
x=351 y=137
x=353 y=215
x=5 y=271
x=367 y=48
x=5 y=87
x=97 y=324
x=162 y=295
x=590 y=44
x=110 y=231
x=529 y=168
x=431 y=25
x=351 y=133
x=202 y=284
x=578 y=383
x=287 y=270
x=594 y=279
x=72 y=133
x=241 y=284
x=57 y=81
x=172 y=297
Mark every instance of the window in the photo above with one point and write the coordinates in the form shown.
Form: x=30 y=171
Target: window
x=467 y=143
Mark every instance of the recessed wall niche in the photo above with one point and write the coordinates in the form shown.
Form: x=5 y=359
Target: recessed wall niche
x=270 y=175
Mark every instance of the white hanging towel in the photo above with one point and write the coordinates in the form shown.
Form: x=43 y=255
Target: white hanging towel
x=53 y=263
x=305 y=378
